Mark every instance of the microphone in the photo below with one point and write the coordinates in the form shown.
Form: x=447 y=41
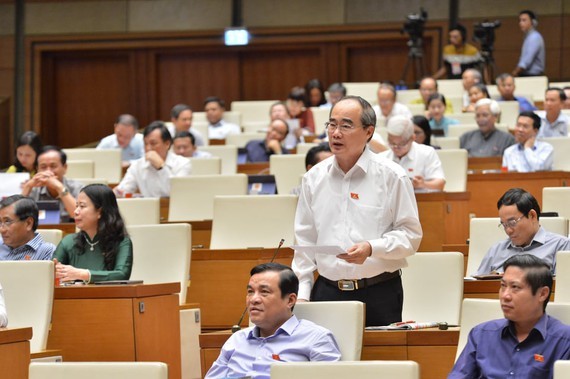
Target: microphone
x=237 y=326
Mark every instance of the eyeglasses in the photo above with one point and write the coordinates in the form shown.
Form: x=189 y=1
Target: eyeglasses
x=343 y=128
x=510 y=224
x=399 y=145
x=8 y=223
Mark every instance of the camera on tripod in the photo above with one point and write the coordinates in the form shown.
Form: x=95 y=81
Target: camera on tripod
x=484 y=33
x=414 y=25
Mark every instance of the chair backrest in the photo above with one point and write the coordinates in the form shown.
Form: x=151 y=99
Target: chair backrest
x=320 y=116
x=192 y=198
x=561 y=155
x=446 y=142
x=433 y=287
x=28 y=294
x=484 y=233
x=107 y=162
x=50 y=235
x=450 y=88
x=206 y=166
x=140 y=211
x=459 y=129
x=86 y=181
x=559 y=310
x=473 y=313
x=456 y=103
x=417 y=109
x=556 y=199
x=533 y=85
x=345 y=319
x=80 y=169
x=98 y=370
x=190 y=329
x=304 y=147
x=454 y=164
x=228 y=153
x=288 y=169
x=342 y=370
x=405 y=96
x=561 y=370
x=509 y=113
x=255 y=126
x=202 y=128
x=157 y=262
x=463 y=118
x=366 y=90
x=562 y=292
x=240 y=140
x=256 y=110
x=253 y=221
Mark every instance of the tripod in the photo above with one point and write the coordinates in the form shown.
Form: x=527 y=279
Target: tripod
x=415 y=57
x=487 y=65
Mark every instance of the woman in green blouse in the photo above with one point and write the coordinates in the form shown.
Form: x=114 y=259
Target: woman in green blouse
x=102 y=249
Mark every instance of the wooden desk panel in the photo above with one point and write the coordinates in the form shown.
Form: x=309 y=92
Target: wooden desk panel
x=486 y=189
x=488 y=289
x=484 y=163
x=433 y=349
x=261 y=168
x=15 y=352
x=118 y=323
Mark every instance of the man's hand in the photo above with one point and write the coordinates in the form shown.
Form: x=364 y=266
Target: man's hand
x=529 y=144
x=38 y=180
x=154 y=159
x=418 y=181
x=274 y=146
x=358 y=253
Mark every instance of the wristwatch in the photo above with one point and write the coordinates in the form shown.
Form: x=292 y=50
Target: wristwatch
x=63 y=193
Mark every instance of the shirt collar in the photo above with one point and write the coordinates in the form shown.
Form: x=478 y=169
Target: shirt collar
x=361 y=164
x=288 y=328
x=33 y=244
x=539 y=237
x=540 y=327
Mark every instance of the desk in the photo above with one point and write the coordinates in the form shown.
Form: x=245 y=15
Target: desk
x=259 y=168
x=484 y=163
x=444 y=217
x=15 y=352
x=118 y=323
x=219 y=280
x=66 y=228
x=486 y=189
x=433 y=349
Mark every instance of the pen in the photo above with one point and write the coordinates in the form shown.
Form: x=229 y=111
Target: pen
x=402 y=323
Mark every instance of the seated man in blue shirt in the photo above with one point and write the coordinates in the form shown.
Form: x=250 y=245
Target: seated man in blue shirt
x=260 y=150
x=527 y=342
x=278 y=336
x=18 y=224
x=519 y=213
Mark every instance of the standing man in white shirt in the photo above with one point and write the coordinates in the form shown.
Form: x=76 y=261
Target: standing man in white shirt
x=421 y=162
x=364 y=204
x=125 y=138
x=528 y=154
x=217 y=127
x=151 y=175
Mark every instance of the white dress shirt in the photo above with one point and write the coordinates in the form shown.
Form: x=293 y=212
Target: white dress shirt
x=222 y=129
x=399 y=109
x=522 y=159
x=374 y=201
x=134 y=150
x=151 y=182
x=421 y=160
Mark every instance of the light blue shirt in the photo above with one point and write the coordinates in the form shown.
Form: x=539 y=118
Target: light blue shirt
x=532 y=54
x=443 y=124
x=558 y=128
x=544 y=245
x=521 y=159
x=35 y=249
x=135 y=149
x=247 y=354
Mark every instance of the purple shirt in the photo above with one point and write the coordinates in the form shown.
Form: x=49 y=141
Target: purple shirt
x=493 y=351
x=247 y=354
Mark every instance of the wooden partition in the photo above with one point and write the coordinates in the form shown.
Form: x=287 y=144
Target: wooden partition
x=77 y=85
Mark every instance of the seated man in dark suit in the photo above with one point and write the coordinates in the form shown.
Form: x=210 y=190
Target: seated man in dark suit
x=260 y=150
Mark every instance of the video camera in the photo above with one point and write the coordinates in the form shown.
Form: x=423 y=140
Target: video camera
x=414 y=25
x=484 y=33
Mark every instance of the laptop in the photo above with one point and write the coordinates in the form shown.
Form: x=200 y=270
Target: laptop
x=49 y=212
x=261 y=185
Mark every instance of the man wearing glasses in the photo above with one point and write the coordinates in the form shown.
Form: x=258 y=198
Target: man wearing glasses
x=18 y=223
x=421 y=162
x=519 y=213
x=363 y=204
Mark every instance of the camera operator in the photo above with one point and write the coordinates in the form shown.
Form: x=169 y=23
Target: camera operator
x=458 y=56
x=531 y=62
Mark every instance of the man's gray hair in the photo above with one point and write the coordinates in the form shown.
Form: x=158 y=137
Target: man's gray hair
x=476 y=74
x=493 y=106
x=400 y=126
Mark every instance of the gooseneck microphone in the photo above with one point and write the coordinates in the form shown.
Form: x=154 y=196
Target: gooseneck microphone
x=237 y=326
